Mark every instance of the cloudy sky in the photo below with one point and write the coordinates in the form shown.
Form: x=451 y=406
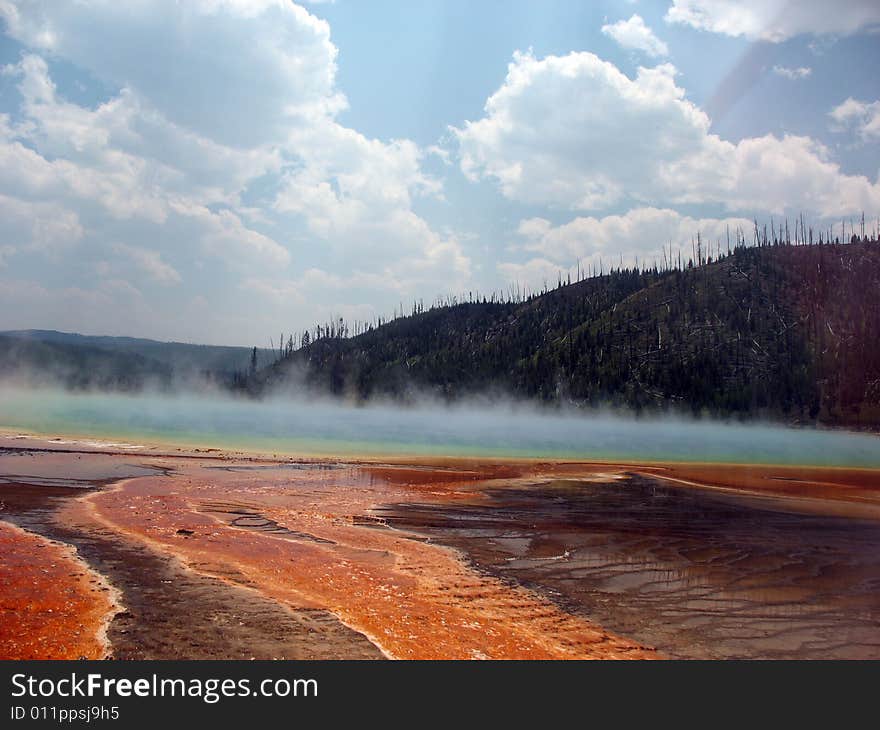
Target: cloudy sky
x=224 y=170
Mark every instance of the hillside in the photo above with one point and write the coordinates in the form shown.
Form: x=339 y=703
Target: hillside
x=782 y=331
x=117 y=363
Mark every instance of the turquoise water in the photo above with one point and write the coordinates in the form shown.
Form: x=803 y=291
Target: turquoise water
x=298 y=427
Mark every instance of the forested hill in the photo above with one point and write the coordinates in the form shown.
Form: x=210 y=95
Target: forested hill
x=80 y=362
x=784 y=331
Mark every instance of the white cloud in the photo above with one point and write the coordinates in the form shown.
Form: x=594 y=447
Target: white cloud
x=793 y=74
x=347 y=180
x=441 y=153
x=862 y=117
x=223 y=234
x=633 y=34
x=37 y=227
x=355 y=195
x=239 y=72
x=775 y=20
x=150 y=262
x=641 y=233
x=27 y=174
x=641 y=237
x=125 y=140
x=574 y=132
x=533 y=228
x=280 y=292
x=218 y=138
x=131 y=163
x=536 y=273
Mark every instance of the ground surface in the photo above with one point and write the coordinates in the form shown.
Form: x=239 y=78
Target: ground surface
x=152 y=552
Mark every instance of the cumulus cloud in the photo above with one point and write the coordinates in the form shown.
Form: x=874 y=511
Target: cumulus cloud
x=133 y=164
x=424 y=274
x=775 y=20
x=218 y=138
x=347 y=182
x=355 y=195
x=150 y=262
x=37 y=227
x=793 y=74
x=633 y=34
x=575 y=132
x=861 y=117
x=535 y=274
x=641 y=236
x=235 y=71
x=121 y=154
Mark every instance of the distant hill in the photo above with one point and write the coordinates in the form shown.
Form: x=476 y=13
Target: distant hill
x=117 y=363
x=782 y=331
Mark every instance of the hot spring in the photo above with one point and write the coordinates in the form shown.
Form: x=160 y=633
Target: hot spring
x=291 y=426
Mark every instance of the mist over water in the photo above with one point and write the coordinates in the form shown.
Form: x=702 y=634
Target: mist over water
x=293 y=427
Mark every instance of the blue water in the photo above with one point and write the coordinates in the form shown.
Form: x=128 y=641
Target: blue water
x=301 y=427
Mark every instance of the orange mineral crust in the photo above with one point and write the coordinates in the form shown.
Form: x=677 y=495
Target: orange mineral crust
x=305 y=535
x=429 y=558
x=827 y=490
x=51 y=605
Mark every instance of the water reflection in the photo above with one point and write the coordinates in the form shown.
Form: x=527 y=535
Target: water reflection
x=688 y=571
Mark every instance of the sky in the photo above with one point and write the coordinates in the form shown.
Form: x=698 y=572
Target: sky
x=222 y=171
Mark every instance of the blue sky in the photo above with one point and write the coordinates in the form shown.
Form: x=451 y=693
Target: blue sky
x=225 y=170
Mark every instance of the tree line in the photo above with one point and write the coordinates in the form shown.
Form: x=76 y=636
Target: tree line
x=783 y=322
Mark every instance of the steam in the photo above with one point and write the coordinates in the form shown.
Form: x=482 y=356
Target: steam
x=35 y=359
x=296 y=425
